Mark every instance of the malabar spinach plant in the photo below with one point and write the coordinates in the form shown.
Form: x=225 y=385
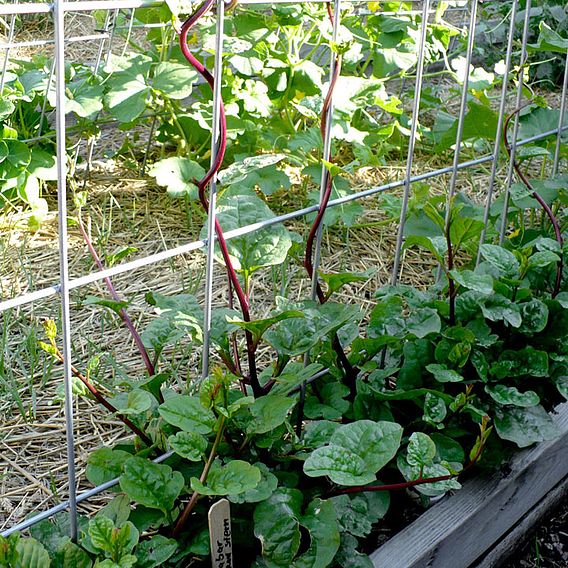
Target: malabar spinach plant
x=308 y=443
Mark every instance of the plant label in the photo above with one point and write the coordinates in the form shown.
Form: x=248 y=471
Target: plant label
x=220 y=535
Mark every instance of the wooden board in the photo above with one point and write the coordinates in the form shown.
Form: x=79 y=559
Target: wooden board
x=524 y=530
x=461 y=529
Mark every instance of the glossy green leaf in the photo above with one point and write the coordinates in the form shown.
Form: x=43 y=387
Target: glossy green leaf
x=411 y=394
x=114 y=541
x=126 y=100
x=232 y=479
x=341 y=465
x=503 y=394
x=386 y=318
x=330 y=404
x=105 y=464
x=269 y=412
x=150 y=484
x=187 y=413
x=348 y=556
x=434 y=470
x=543 y=258
x=6 y=109
x=295 y=336
x=188 y=445
x=199 y=544
x=435 y=245
x=434 y=409
x=562 y=385
x=549 y=40
x=54 y=532
x=277 y=527
x=355 y=452
x=84 y=99
x=239 y=171
x=307 y=78
x=137 y=401
x=18 y=153
x=115 y=306
x=423 y=322
x=118 y=509
x=482 y=283
x=265 y=488
x=359 y=512
x=448 y=449
x=335 y=282
x=465 y=231
x=499 y=308
x=268 y=180
x=265 y=247
x=480 y=121
x=416 y=355
x=443 y=374
x=155 y=551
x=534 y=314
x=562 y=298
x=70 y=554
x=318 y=432
x=502 y=259
x=294 y=374
x=525 y=426
x=9 y=549
x=421 y=450
x=259 y=327
x=523 y=362
x=321 y=522
x=120 y=254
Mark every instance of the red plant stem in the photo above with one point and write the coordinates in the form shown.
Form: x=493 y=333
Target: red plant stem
x=395 y=486
x=123 y=315
x=328 y=185
x=541 y=201
x=206 y=180
x=104 y=402
x=328 y=181
x=233 y=340
x=451 y=283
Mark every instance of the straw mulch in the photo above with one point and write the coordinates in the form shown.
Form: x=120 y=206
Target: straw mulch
x=127 y=211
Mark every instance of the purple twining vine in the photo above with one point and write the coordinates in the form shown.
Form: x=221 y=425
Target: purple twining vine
x=546 y=208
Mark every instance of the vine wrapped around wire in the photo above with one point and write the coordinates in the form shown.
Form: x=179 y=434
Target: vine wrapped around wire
x=203 y=184
x=546 y=208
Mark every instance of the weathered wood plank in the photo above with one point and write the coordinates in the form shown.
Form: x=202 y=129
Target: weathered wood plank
x=459 y=530
x=524 y=529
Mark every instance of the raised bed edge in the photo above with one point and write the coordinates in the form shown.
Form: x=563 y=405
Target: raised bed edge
x=519 y=535
x=462 y=528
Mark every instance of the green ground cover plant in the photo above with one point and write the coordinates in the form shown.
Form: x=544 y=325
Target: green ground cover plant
x=309 y=441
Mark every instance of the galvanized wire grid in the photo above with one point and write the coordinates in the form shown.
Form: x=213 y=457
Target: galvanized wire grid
x=105 y=36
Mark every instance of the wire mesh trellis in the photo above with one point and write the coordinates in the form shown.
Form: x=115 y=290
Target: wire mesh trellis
x=105 y=37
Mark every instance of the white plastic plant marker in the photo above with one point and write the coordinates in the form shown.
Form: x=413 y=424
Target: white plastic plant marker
x=220 y=535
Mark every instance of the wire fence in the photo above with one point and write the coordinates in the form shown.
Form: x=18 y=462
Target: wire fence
x=106 y=38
